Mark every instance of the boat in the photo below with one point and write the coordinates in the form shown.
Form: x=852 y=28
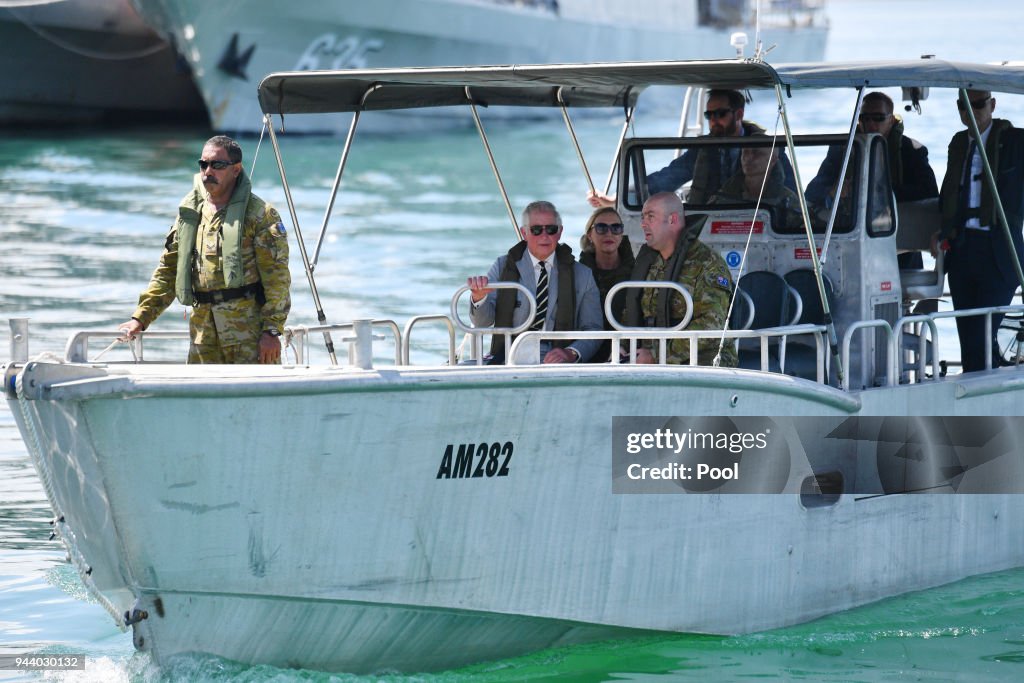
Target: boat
x=381 y=513
x=265 y=37
x=89 y=61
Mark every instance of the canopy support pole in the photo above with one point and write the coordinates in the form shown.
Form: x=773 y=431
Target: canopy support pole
x=575 y=140
x=842 y=174
x=494 y=166
x=618 y=148
x=298 y=238
x=990 y=178
x=341 y=170
x=833 y=341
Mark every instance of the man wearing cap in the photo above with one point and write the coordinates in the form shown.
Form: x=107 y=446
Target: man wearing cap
x=979 y=261
x=226 y=255
x=566 y=294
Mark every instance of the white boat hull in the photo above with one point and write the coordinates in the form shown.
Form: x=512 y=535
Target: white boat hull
x=302 y=517
x=306 y=35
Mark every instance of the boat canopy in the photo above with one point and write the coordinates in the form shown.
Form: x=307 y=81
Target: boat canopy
x=601 y=85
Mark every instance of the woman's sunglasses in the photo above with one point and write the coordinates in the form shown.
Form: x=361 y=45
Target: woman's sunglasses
x=603 y=228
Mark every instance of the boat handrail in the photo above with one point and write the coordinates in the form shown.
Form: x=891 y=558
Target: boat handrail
x=609 y=314
x=922 y=344
x=533 y=337
x=77 y=348
x=296 y=337
x=890 y=353
x=988 y=312
x=477 y=333
x=415 y=320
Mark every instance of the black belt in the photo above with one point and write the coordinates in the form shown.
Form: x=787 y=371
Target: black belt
x=223 y=295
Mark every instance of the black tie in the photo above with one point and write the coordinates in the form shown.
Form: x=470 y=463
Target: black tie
x=965 y=187
x=542 y=299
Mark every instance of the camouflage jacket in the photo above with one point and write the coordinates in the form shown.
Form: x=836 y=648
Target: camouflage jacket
x=263 y=251
x=703 y=272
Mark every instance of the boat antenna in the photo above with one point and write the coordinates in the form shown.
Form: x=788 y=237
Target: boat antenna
x=758 y=54
x=328 y=342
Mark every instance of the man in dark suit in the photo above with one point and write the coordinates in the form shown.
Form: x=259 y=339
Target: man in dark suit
x=979 y=259
x=567 y=296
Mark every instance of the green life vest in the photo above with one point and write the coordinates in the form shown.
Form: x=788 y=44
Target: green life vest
x=187 y=225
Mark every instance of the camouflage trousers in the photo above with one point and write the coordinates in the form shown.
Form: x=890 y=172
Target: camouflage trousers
x=226 y=333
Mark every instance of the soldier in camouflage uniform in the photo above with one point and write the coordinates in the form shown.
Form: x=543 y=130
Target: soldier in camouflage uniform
x=236 y=276
x=674 y=253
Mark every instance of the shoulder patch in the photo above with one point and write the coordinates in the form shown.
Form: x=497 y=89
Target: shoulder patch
x=279 y=229
x=720 y=281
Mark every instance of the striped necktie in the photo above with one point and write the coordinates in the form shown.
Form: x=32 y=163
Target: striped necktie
x=542 y=299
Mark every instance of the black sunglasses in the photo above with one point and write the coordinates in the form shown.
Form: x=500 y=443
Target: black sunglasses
x=717 y=113
x=877 y=118
x=217 y=165
x=602 y=228
x=975 y=104
x=549 y=229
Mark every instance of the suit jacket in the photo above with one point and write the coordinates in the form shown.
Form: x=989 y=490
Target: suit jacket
x=587 y=305
x=1005 y=150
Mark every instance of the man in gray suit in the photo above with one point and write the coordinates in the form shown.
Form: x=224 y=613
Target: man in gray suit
x=567 y=296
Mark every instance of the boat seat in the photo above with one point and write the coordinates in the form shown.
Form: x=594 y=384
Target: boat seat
x=776 y=304
x=742 y=316
x=918 y=221
x=801 y=354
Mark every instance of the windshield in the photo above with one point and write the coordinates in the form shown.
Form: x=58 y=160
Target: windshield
x=725 y=173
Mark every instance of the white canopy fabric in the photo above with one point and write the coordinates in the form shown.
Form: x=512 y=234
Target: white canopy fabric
x=601 y=85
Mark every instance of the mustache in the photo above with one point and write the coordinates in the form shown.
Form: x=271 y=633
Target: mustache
x=210 y=180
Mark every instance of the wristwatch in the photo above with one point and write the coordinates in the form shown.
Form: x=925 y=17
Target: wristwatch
x=272 y=333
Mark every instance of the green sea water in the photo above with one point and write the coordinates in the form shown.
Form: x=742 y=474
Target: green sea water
x=83 y=218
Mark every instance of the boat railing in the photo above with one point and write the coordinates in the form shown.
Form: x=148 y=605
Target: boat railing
x=526 y=348
x=476 y=334
x=924 y=343
x=609 y=311
x=77 y=348
x=407 y=335
x=890 y=349
x=360 y=345
x=931 y=318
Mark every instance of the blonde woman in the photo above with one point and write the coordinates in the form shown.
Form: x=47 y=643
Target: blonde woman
x=605 y=249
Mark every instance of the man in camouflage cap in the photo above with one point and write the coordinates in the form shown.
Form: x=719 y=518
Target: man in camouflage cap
x=675 y=254
x=235 y=274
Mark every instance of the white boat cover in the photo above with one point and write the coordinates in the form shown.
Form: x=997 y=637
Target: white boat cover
x=601 y=85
